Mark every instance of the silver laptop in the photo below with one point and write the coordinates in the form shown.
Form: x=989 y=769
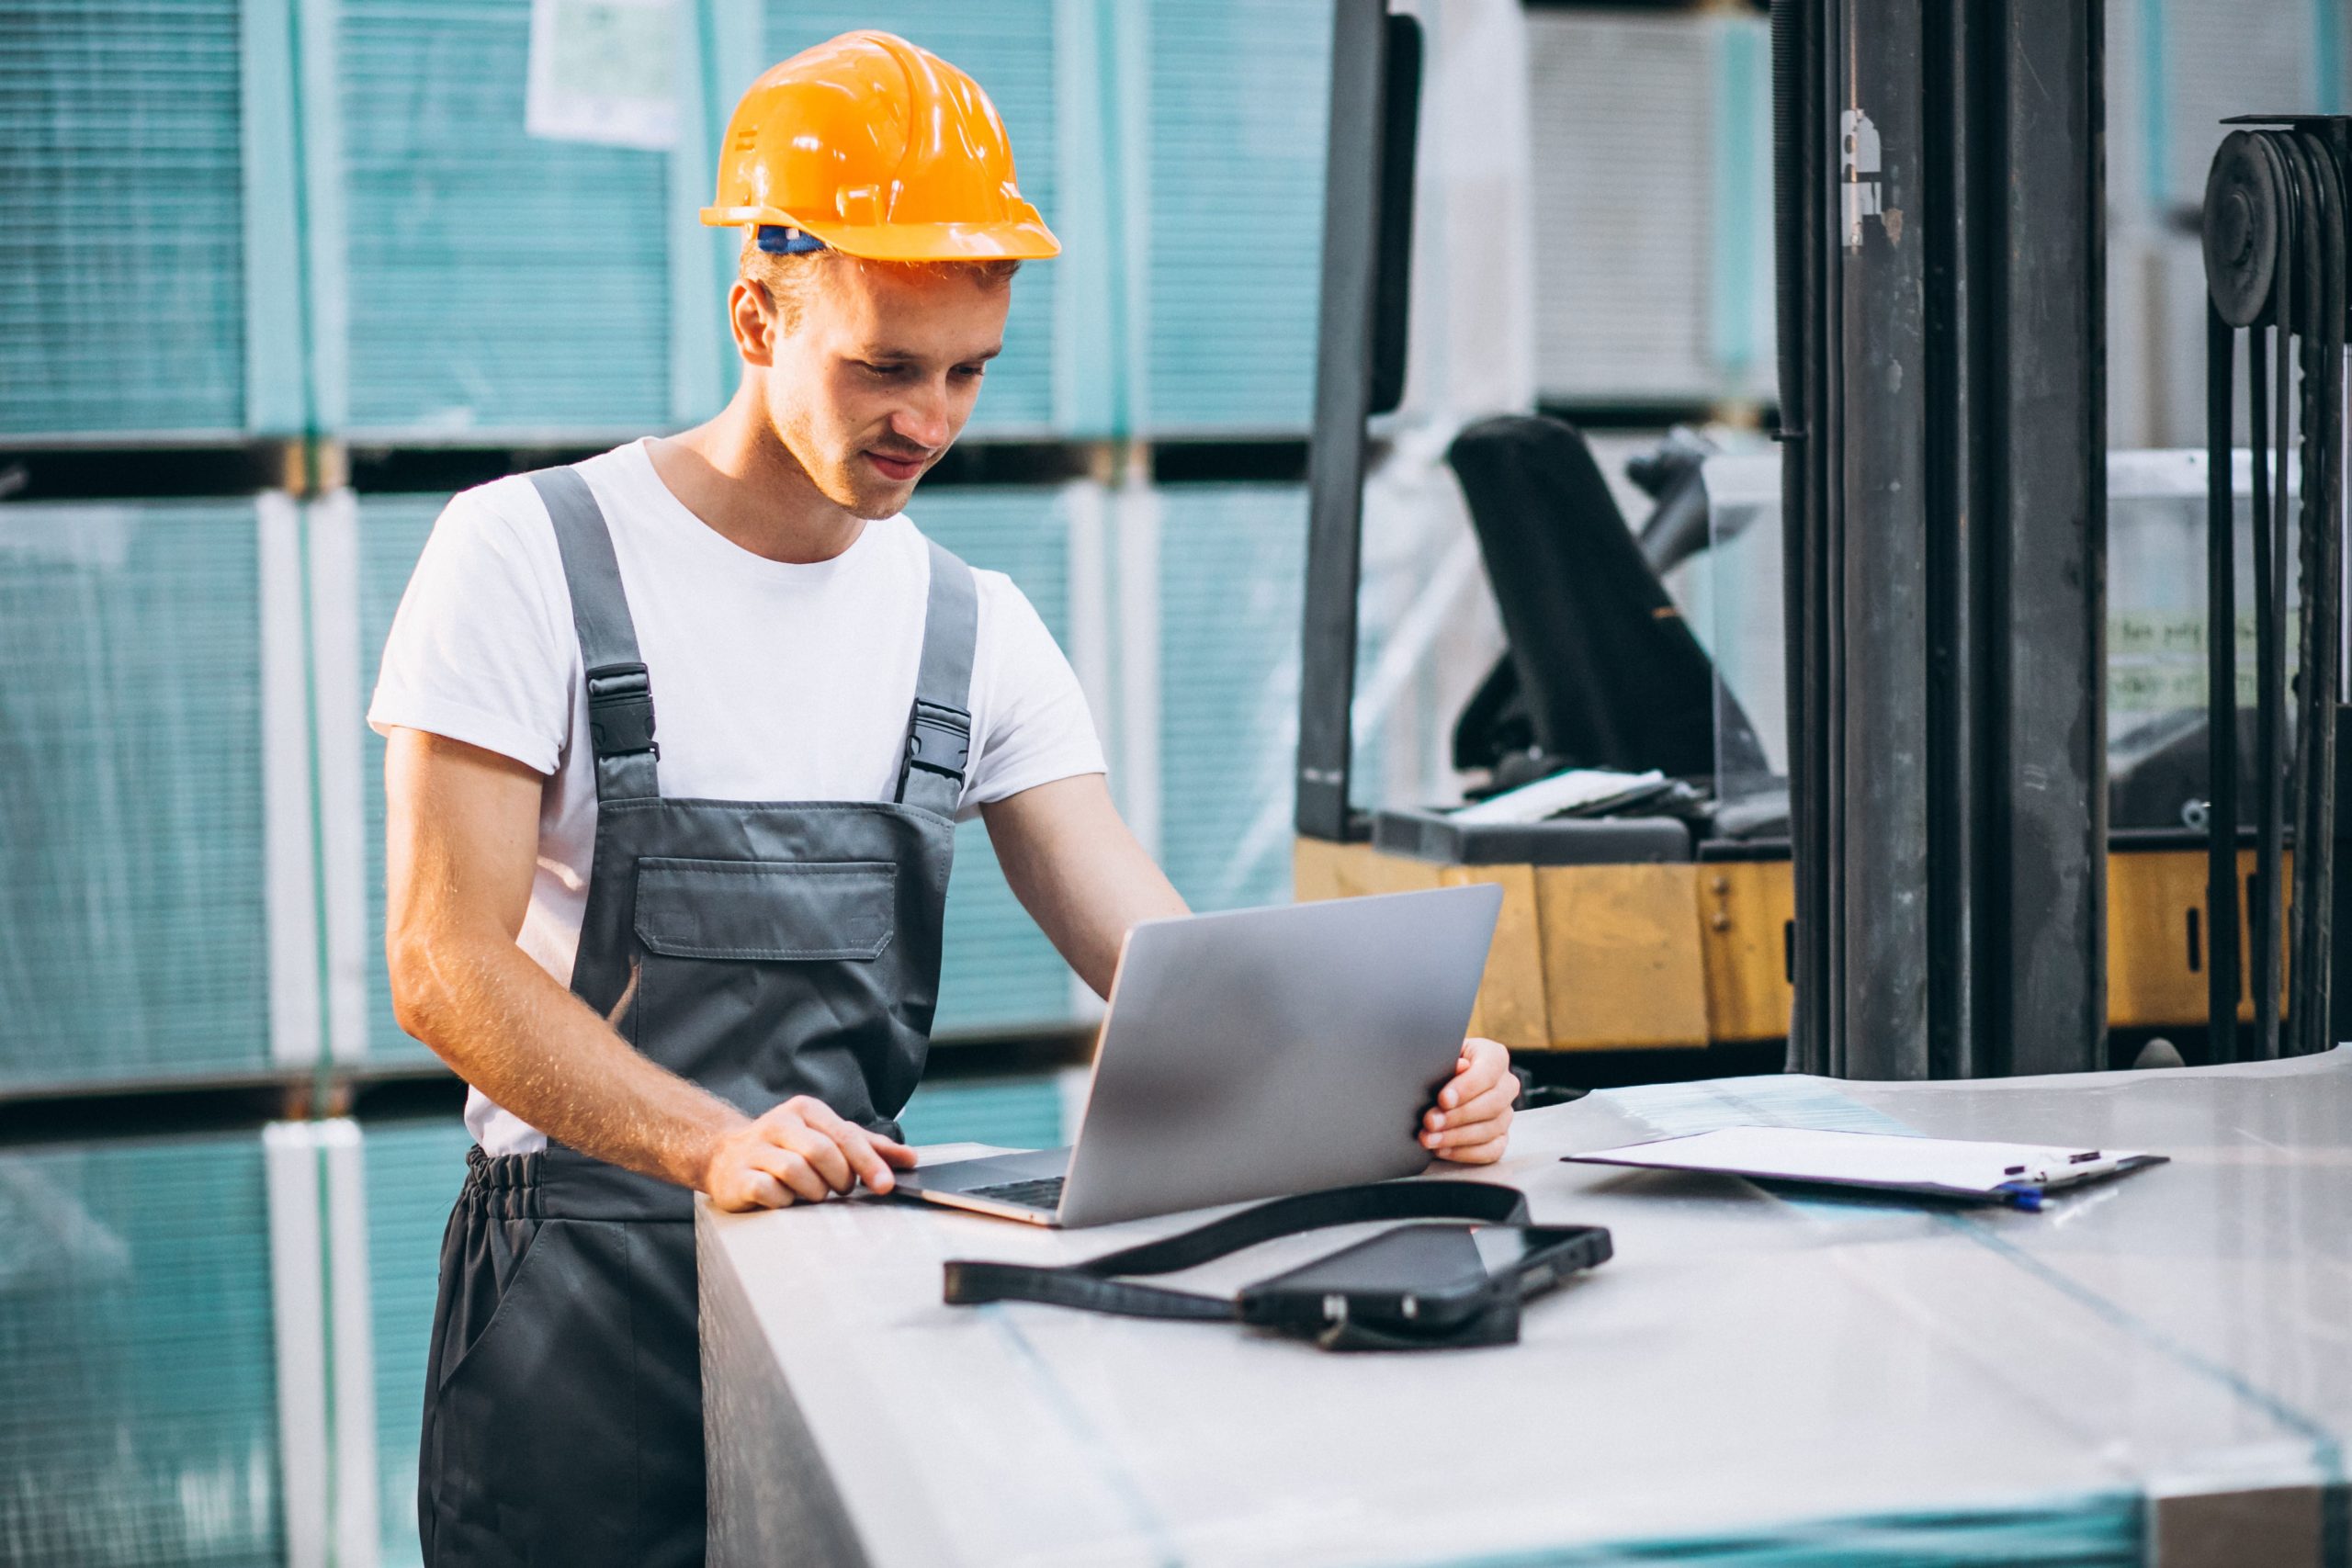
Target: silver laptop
x=1252 y=1054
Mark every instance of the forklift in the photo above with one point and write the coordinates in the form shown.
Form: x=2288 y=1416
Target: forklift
x=1935 y=888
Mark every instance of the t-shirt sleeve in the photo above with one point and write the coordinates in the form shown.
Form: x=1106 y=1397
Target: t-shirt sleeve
x=479 y=649
x=1031 y=721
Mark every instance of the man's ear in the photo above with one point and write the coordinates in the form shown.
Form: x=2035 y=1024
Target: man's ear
x=751 y=315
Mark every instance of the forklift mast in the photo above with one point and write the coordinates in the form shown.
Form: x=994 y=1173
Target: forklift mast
x=1941 y=251
x=1359 y=371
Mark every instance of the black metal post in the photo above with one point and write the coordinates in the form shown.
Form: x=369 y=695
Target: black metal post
x=1886 y=391
x=1360 y=370
x=1946 y=498
x=1802 y=184
x=2221 y=681
x=2042 y=958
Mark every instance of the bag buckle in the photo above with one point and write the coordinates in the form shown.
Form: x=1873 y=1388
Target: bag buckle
x=620 y=710
x=939 y=740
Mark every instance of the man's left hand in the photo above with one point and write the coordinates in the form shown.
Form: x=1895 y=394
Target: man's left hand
x=1471 y=1120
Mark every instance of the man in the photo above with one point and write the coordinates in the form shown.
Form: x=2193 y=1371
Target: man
x=708 y=962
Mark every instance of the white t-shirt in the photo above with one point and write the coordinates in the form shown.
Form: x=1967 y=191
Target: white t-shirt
x=771 y=681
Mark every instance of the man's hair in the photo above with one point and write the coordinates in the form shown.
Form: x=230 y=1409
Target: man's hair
x=792 y=281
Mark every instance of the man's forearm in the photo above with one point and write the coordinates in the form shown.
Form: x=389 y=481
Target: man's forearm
x=1097 y=927
x=511 y=1032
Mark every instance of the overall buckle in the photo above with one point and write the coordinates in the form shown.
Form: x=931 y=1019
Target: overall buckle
x=620 y=710
x=939 y=740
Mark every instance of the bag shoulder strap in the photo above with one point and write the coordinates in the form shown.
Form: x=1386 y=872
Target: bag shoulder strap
x=939 y=731
x=1090 y=1285
x=620 y=694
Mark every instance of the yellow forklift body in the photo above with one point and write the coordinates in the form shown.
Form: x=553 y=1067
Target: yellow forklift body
x=1611 y=957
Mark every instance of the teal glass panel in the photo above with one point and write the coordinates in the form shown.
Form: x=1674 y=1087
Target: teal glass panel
x=1023 y=1113
x=1000 y=973
x=2099 y=1530
x=131 y=863
x=122 y=222
x=139 y=1427
x=392 y=530
x=414 y=1170
x=1233 y=561
x=496 y=281
x=1239 y=96
x=1007 y=46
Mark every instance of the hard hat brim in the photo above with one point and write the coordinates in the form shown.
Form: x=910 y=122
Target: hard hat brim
x=1016 y=240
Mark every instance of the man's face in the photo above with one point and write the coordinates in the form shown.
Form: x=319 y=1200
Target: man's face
x=875 y=379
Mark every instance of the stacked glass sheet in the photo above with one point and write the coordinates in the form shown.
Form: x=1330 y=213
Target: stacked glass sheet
x=1623 y=114
x=497 y=282
x=414 y=1172
x=1234 y=213
x=1008 y=46
x=132 y=867
x=2219 y=58
x=999 y=972
x=122 y=240
x=472 y=280
x=136 y=1348
x=1023 y=1113
x=1232 y=566
x=392 y=530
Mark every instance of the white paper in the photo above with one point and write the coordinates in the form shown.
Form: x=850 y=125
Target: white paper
x=1870 y=1159
x=603 y=71
x=1561 y=792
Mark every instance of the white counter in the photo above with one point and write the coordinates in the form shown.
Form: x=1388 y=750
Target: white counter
x=2156 y=1369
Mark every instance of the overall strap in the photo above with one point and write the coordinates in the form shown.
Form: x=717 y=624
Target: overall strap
x=939 y=731
x=620 y=698
x=1091 y=1285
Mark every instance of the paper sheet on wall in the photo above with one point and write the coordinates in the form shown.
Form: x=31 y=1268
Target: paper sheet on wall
x=603 y=71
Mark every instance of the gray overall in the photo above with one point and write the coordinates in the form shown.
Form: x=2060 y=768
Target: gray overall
x=779 y=949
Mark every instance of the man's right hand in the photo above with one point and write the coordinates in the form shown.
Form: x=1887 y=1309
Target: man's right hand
x=802 y=1152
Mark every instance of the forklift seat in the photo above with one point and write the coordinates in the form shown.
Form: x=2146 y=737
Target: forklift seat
x=1601 y=671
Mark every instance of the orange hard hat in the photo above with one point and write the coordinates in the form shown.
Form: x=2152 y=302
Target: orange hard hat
x=876 y=147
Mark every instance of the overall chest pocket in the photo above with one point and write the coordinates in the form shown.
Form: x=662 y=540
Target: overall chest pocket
x=766 y=911
x=763 y=979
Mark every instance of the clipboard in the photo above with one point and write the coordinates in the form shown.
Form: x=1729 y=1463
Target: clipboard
x=2017 y=1174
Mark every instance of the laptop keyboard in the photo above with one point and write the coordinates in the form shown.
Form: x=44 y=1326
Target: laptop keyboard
x=1045 y=1193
